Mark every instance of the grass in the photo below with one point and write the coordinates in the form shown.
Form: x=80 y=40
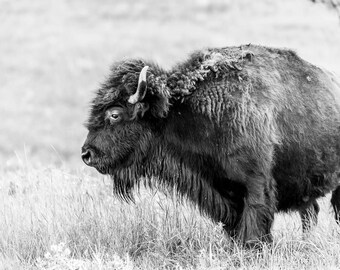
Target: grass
x=57 y=214
x=55 y=219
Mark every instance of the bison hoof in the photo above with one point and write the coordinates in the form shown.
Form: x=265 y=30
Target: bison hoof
x=259 y=244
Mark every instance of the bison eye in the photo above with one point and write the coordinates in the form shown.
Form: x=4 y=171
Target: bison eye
x=114 y=115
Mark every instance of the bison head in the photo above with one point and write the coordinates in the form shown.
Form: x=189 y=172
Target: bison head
x=125 y=121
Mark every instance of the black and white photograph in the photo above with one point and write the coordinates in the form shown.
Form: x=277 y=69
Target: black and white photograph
x=183 y=134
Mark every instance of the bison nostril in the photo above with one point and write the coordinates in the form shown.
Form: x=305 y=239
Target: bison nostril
x=87 y=156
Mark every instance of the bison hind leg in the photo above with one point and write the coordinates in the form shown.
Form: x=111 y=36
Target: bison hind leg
x=309 y=215
x=335 y=201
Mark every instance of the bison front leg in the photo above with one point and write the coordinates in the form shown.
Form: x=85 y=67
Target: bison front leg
x=258 y=213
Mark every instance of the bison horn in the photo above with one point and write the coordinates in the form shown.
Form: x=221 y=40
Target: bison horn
x=141 y=89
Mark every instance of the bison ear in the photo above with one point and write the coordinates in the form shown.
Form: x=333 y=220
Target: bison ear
x=141 y=89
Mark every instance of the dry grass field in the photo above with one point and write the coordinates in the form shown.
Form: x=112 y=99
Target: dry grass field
x=51 y=219
x=57 y=214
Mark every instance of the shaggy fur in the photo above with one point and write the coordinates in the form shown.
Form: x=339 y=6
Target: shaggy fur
x=242 y=132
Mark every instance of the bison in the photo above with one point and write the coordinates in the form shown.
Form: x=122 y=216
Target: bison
x=242 y=132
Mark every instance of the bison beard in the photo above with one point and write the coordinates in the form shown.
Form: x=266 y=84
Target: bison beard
x=242 y=132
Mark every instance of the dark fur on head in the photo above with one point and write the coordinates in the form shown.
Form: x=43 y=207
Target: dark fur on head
x=240 y=131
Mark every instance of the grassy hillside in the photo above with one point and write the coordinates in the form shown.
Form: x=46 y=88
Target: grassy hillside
x=57 y=214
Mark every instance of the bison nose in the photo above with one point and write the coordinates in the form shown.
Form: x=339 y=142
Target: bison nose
x=87 y=156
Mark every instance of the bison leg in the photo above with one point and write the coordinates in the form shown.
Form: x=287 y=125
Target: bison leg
x=309 y=215
x=257 y=216
x=335 y=201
